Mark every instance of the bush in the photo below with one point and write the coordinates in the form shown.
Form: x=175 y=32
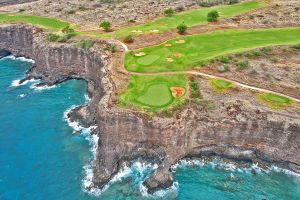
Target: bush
x=233 y=1
x=169 y=12
x=128 y=39
x=52 y=37
x=113 y=48
x=297 y=46
x=182 y=28
x=86 y=44
x=213 y=16
x=224 y=59
x=195 y=91
x=243 y=64
x=68 y=30
x=105 y=25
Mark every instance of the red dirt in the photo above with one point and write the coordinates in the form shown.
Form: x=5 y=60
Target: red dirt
x=177 y=91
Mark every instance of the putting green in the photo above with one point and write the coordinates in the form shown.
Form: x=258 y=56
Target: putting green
x=148 y=60
x=44 y=22
x=153 y=93
x=157 y=95
x=275 y=101
x=198 y=49
x=220 y=85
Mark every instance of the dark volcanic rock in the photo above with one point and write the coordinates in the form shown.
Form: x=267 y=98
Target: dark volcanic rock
x=236 y=130
x=4 y=53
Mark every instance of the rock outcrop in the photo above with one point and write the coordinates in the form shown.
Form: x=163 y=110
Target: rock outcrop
x=11 y=2
x=236 y=129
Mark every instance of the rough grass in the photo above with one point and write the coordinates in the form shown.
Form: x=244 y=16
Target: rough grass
x=44 y=22
x=152 y=93
x=198 y=49
x=275 y=101
x=221 y=86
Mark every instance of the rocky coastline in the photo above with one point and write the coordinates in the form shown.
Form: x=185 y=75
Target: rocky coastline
x=237 y=130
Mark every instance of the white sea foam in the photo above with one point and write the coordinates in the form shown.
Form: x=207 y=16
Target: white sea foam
x=43 y=87
x=11 y=57
x=16 y=83
x=22 y=95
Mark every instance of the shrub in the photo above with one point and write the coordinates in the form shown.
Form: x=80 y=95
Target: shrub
x=21 y=10
x=113 y=48
x=213 y=16
x=169 y=12
x=224 y=59
x=52 y=37
x=68 y=30
x=182 y=28
x=106 y=26
x=86 y=44
x=243 y=64
x=128 y=39
x=195 y=91
x=297 y=46
x=233 y=1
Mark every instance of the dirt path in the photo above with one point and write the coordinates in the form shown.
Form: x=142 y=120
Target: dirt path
x=209 y=76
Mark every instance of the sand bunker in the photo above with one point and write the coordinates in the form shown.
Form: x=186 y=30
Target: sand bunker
x=177 y=91
x=169 y=59
x=168 y=45
x=177 y=55
x=154 y=31
x=140 y=54
x=136 y=31
x=180 y=42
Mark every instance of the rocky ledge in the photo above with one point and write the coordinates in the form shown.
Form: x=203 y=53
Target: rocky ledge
x=237 y=129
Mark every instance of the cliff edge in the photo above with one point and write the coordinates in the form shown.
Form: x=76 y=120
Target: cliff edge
x=237 y=128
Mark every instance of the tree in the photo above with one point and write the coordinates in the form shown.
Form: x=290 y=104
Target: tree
x=68 y=30
x=182 y=28
x=169 y=12
x=128 y=39
x=106 y=26
x=213 y=16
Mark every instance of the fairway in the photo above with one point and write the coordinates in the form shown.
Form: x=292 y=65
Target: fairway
x=220 y=85
x=154 y=93
x=44 y=22
x=275 y=101
x=190 y=18
x=199 y=48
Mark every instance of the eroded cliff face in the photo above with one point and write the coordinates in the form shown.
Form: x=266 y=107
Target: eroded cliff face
x=237 y=128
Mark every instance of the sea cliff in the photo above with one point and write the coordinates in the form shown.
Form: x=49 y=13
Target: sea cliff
x=236 y=129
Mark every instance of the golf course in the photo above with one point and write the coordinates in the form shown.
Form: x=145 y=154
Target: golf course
x=184 y=53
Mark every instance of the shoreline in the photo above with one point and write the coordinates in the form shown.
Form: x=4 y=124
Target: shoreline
x=126 y=136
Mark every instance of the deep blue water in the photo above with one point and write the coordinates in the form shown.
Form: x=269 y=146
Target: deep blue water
x=41 y=159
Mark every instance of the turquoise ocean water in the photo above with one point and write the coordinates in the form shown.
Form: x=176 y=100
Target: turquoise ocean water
x=40 y=158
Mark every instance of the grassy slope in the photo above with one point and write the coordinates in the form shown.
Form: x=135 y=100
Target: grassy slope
x=199 y=48
x=152 y=93
x=44 y=22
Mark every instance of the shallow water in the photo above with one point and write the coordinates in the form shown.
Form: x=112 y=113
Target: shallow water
x=40 y=158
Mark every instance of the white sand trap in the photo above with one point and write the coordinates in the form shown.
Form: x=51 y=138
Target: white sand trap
x=169 y=59
x=140 y=54
x=180 y=42
x=154 y=31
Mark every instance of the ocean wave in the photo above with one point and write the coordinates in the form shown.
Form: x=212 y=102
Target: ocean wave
x=43 y=87
x=16 y=83
x=231 y=166
x=11 y=57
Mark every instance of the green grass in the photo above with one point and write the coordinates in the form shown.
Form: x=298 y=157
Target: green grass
x=152 y=93
x=198 y=49
x=190 y=18
x=275 y=101
x=44 y=22
x=221 y=86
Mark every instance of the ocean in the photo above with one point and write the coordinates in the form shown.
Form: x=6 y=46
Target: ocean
x=42 y=158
